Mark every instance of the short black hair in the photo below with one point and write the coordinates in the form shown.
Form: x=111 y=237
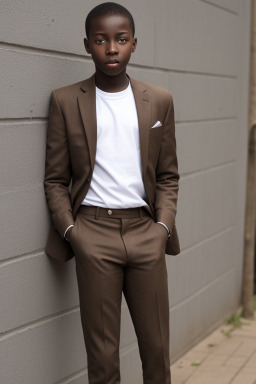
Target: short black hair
x=109 y=9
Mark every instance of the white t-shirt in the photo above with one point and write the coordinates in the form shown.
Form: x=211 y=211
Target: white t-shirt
x=117 y=178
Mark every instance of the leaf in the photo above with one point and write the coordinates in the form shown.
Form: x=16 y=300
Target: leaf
x=195 y=364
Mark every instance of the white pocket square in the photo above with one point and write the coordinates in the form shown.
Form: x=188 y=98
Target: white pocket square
x=157 y=124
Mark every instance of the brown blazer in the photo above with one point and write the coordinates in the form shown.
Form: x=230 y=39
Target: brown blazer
x=71 y=150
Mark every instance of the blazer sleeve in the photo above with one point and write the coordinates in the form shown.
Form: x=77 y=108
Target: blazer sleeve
x=58 y=169
x=167 y=176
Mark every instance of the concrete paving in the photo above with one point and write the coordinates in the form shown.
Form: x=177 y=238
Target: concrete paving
x=226 y=356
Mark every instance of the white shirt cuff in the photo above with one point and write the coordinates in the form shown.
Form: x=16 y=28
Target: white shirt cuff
x=167 y=229
x=70 y=226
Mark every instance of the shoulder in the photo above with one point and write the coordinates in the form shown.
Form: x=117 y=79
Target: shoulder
x=153 y=90
x=69 y=91
x=161 y=99
x=159 y=96
x=68 y=88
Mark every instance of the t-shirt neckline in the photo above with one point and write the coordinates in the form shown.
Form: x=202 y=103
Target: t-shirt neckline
x=114 y=95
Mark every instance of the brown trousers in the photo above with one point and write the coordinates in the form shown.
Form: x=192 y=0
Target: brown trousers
x=122 y=250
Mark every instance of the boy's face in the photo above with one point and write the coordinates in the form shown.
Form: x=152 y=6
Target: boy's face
x=110 y=43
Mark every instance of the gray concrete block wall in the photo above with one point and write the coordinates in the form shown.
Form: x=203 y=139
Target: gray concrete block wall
x=199 y=49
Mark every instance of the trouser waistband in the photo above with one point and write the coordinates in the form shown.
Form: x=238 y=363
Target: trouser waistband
x=126 y=213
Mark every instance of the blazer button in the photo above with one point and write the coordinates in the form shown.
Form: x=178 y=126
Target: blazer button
x=88 y=179
x=109 y=212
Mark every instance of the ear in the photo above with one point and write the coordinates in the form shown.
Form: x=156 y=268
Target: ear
x=87 y=45
x=134 y=44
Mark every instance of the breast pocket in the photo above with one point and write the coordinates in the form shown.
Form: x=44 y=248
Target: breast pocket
x=155 y=131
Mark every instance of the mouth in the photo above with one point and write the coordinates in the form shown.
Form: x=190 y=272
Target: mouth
x=112 y=63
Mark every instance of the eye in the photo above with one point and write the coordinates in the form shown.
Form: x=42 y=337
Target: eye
x=99 y=41
x=122 y=40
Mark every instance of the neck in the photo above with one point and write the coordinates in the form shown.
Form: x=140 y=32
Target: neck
x=111 y=83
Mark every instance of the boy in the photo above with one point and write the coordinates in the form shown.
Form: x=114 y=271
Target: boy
x=113 y=137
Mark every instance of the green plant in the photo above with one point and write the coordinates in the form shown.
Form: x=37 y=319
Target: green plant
x=195 y=364
x=226 y=333
x=235 y=320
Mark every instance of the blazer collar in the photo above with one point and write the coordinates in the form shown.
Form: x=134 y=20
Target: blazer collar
x=87 y=106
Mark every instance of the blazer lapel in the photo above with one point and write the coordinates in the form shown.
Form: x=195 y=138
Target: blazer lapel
x=143 y=105
x=87 y=106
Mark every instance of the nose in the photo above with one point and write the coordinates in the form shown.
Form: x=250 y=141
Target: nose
x=112 y=48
